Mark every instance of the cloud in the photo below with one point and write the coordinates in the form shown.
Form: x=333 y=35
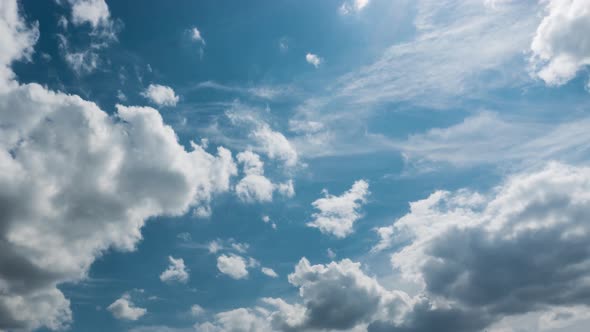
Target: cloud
x=313 y=59
x=76 y=182
x=176 y=271
x=352 y=6
x=488 y=138
x=269 y=272
x=520 y=249
x=197 y=310
x=238 y=320
x=337 y=214
x=560 y=48
x=261 y=92
x=270 y=142
x=254 y=186
x=94 y=12
x=161 y=95
x=196 y=35
x=232 y=265
x=335 y=296
x=17 y=37
x=275 y=145
x=472 y=260
x=123 y=308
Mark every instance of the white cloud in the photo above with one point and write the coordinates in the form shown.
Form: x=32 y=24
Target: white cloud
x=313 y=59
x=17 y=38
x=352 y=6
x=561 y=46
x=269 y=272
x=337 y=214
x=161 y=95
x=286 y=189
x=254 y=186
x=232 y=265
x=94 y=12
x=240 y=247
x=176 y=271
x=123 y=308
x=76 y=182
x=275 y=145
x=196 y=35
x=214 y=246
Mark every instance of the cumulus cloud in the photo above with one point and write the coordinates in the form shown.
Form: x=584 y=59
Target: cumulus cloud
x=520 y=249
x=337 y=214
x=560 y=48
x=336 y=296
x=269 y=272
x=124 y=308
x=254 y=186
x=161 y=95
x=76 y=181
x=232 y=265
x=313 y=59
x=473 y=260
x=275 y=145
x=176 y=271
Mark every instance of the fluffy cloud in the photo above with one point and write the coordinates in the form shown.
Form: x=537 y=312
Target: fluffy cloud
x=337 y=214
x=75 y=182
x=336 y=296
x=94 y=12
x=232 y=265
x=560 y=47
x=123 y=308
x=521 y=249
x=275 y=145
x=161 y=95
x=269 y=272
x=254 y=186
x=313 y=59
x=17 y=39
x=176 y=271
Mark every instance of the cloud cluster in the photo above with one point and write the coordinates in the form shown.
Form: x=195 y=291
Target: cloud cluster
x=75 y=182
x=473 y=260
x=337 y=214
x=560 y=48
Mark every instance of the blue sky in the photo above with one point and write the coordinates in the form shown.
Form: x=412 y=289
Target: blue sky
x=346 y=165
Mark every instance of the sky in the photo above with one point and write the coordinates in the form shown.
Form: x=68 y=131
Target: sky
x=295 y=166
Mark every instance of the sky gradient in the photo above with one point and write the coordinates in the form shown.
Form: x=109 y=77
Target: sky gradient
x=291 y=166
